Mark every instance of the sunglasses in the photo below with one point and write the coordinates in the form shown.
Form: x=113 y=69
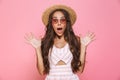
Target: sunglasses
x=55 y=21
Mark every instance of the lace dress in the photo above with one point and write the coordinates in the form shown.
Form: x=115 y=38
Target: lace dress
x=61 y=72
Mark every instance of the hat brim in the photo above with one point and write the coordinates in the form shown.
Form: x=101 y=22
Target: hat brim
x=47 y=12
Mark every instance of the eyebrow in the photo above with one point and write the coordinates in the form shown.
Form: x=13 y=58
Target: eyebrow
x=60 y=17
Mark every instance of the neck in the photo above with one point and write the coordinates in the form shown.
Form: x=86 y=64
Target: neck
x=59 y=40
x=60 y=37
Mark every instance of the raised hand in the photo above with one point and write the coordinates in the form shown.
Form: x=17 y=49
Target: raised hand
x=30 y=39
x=89 y=37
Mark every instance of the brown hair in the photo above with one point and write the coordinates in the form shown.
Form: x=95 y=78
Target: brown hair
x=69 y=36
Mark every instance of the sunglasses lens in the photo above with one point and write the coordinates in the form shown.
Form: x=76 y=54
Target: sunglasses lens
x=55 y=21
x=62 y=20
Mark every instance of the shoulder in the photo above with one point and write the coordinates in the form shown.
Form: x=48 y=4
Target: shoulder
x=78 y=38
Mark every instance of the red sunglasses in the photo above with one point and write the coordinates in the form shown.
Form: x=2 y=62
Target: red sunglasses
x=55 y=21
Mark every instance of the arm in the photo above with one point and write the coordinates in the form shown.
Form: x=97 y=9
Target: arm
x=84 y=43
x=82 y=58
x=30 y=39
x=40 y=66
x=82 y=55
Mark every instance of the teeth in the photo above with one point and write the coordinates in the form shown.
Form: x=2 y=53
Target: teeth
x=59 y=28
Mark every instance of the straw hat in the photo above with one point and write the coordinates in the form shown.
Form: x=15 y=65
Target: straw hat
x=47 y=12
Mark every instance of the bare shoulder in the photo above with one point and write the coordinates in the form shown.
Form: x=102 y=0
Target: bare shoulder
x=78 y=38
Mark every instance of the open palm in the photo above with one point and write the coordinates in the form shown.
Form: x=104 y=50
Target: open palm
x=30 y=39
x=89 y=37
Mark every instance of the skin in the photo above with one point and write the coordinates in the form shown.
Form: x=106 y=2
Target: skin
x=60 y=42
x=59 y=15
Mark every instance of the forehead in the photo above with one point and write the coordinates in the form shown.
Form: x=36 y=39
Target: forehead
x=58 y=14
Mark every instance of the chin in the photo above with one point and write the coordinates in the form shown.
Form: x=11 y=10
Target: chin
x=59 y=35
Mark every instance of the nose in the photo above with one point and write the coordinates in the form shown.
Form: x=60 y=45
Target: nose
x=59 y=23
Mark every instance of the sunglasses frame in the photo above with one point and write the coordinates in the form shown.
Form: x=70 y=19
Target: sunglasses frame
x=62 y=20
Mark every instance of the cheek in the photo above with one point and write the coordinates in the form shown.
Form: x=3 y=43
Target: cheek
x=64 y=25
x=54 y=26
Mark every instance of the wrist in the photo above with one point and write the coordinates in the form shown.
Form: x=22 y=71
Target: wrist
x=84 y=47
x=37 y=48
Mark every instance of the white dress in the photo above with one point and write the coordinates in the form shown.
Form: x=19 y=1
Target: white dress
x=61 y=72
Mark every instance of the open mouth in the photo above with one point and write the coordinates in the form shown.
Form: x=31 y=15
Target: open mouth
x=59 y=28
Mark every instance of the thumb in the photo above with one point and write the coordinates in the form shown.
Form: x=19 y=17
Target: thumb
x=27 y=42
x=40 y=37
x=80 y=35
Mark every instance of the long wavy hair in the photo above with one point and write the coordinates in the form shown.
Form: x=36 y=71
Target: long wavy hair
x=69 y=36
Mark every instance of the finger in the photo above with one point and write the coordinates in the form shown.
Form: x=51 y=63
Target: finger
x=26 y=34
x=40 y=37
x=26 y=37
x=88 y=33
x=27 y=42
x=93 y=39
x=33 y=36
x=80 y=35
x=92 y=36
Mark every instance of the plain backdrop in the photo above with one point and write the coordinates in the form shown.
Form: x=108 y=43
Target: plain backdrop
x=17 y=17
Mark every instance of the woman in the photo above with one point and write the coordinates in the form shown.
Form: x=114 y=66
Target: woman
x=60 y=53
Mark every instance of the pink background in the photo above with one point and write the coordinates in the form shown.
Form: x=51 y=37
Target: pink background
x=17 y=17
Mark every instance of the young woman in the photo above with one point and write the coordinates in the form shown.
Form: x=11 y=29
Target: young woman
x=60 y=53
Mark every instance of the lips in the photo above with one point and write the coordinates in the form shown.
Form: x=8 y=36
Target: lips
x=59 y=30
